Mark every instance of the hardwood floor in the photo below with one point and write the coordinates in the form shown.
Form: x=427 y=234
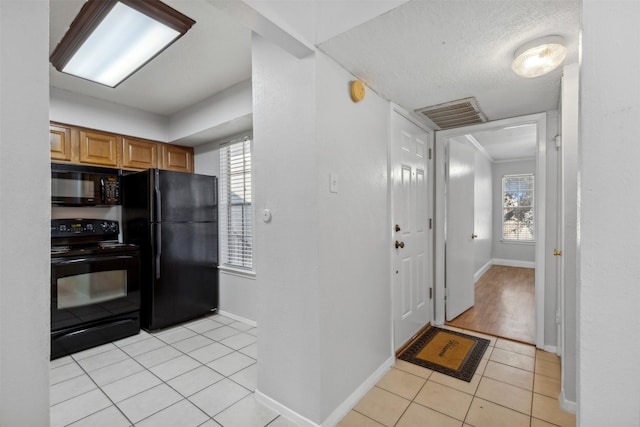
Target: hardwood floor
x=504 y=304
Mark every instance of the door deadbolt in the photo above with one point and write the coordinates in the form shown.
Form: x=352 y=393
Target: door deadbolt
x=474 y=236
x=557 y=252
x=399 y=244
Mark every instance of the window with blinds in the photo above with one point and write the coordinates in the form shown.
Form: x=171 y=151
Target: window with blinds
x=517 y=207
x=236 y=214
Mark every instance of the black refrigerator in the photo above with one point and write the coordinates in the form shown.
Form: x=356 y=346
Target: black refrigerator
x=173 y=216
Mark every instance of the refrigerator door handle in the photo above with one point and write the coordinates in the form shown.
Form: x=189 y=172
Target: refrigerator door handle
x=156 y=189
x=158 y=248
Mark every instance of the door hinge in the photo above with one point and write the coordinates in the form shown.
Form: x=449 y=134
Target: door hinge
x=430 y=293
x=558 y=141
x=430 y=223
x=429 y=153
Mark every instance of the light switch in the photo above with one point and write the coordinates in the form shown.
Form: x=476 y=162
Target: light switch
x=333 y=182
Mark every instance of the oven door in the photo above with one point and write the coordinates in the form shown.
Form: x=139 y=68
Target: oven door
x=93 y=288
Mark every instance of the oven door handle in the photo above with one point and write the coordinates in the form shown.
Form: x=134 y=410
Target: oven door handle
x=99 y=258
x=158 y=248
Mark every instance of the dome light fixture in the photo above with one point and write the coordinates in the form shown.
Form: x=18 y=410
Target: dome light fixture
x=539 y=57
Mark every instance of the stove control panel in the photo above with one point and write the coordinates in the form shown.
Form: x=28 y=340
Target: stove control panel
x=83 y=227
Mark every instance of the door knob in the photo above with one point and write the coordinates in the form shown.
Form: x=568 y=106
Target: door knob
x=474 y=236
x=399 y=244
x=397 y=228
x=557 y=252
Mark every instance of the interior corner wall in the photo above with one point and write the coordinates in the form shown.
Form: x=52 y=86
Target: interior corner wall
x=483 y=211
x=354 y=245
x=238 y=294
x=25 y=182
x=286 y=248
x=608 y=244
x=503 y=250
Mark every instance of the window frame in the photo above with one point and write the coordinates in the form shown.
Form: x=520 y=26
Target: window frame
x=531 y=207
x=226 y=261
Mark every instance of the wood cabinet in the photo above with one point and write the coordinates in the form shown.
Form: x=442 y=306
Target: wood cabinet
x=98 y=148
x=60 y=140
x=177 y=158
x=139 y=154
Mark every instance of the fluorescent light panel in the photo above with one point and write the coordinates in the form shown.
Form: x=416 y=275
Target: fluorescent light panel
x=121 y=42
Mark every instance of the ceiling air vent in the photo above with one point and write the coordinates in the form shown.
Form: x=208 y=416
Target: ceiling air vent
x=463 y=112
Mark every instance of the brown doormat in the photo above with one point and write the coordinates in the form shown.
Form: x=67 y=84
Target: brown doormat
x=448 y=352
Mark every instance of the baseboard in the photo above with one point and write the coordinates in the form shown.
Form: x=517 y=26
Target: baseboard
x=284 y=411
x=567 y=405
x=238 y=318
x=482 y=270
x=341 y=411
x=551 y=349
x=514 y=263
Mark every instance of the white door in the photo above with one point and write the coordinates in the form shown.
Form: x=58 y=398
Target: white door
x=460 y=292
x=411 y=256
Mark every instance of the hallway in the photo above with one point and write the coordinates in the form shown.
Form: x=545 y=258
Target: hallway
x=504 y=304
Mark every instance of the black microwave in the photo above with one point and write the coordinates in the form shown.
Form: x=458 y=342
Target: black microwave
x=75 y=185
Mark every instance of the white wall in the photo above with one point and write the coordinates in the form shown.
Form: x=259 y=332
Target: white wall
x=322 y=263
x=81 y=110
x=238 y=294
x=24 y=214
x=286 y=264
x=483 y=212
x=608 y=244
x=354 y=230
x=505 y=250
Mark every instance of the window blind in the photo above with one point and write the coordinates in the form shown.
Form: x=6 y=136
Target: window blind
x=236 y=213
x=517 y=207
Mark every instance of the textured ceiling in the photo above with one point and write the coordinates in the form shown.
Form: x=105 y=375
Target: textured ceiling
x=428 y=52
x=214 y=55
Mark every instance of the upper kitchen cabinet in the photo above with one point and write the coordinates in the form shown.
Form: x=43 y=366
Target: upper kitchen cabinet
x=177 y=158
x=60 y=140
x=93 y=147
x=98 y=148
x=139 y=154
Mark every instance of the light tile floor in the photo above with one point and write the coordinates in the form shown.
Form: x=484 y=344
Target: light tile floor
x=202 y=373
x=515 y=385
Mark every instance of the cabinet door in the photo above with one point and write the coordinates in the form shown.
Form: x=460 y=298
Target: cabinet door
x=98 y=148
x=139 y=154
x=177 y=158
x=60 y=140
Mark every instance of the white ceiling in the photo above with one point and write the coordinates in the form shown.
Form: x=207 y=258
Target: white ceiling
x=427 y=52
x=514 y=142
x=423 y=52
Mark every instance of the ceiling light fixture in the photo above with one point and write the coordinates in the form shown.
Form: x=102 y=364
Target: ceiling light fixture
x=539 y=57
x=110 y=40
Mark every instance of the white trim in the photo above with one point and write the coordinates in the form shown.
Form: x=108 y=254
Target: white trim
x=480 y=148
x=567 y=405
x=482 y=270
x=341 y=411
x=238 y=318
x=249 y=274
x=283 y=410
x=551 y=349
x=514 y=263
x=442 y=137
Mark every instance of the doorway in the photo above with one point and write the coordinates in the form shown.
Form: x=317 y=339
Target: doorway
x=448 y=287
